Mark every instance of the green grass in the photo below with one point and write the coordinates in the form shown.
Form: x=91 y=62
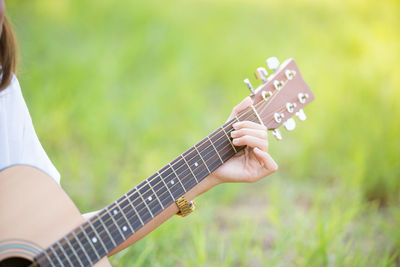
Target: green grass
x=116 y=90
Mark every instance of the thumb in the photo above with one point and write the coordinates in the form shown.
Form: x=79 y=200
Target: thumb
x=240 y=107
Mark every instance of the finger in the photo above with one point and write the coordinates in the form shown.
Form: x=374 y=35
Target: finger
x=251 y=141
x=266 y=160
x=240 y=107
x=262 y=134
x=248 y=124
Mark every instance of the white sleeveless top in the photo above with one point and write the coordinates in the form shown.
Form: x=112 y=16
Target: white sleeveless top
x=19 y=143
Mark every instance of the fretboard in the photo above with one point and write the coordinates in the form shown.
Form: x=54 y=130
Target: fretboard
x=94 y=239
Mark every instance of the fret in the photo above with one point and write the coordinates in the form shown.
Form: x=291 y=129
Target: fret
x=87 y=246
x=189 y=168
x=74 y=252
x=229 y=138
x=99 y=224
x=202 y=159
x=130 y=214
x=169 y=177
x=64 y=252
x=141 y=208
x=86 y=260
x=172 y=180
x=207 y=152
x=226 y=150
x=160 y=186
x=56 y=256
x=152 y=189
x=115 y=215
x=227 y=127
x=144 y=201
x=215 y=150
x=148 y=198
x=180 y=170
x=50 y=260
x=90 y=241
x=236 y=117
x=222 y=145
x=124 y=227
x=110 y=224
x=134 y=209
x=98 y=237
x=197 y=165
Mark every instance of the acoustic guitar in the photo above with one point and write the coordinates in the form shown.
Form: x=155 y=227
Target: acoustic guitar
x=41 y=226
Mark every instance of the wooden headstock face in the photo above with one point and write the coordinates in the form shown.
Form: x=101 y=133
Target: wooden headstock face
x=282 y=95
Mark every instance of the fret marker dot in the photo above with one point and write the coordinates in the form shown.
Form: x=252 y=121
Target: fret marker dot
x=149 y=198
x=94 y=239
x=196 y=164
x=172 y=182
x=124 y=228
x=115 y=212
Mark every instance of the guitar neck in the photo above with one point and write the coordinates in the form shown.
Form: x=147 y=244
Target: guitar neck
x=282 y=95
x=94 y=239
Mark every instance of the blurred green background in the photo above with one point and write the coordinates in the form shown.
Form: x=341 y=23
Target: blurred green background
x=118 y=89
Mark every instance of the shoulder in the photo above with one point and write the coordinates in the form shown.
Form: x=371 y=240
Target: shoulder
x=13 y=90
x=17 y=133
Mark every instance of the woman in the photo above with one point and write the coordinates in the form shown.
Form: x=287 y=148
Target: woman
x=20 y=145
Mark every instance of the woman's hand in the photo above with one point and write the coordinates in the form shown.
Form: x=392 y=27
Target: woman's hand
x=251 y=163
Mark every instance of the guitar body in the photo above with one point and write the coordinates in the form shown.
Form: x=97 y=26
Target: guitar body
x=34 y=213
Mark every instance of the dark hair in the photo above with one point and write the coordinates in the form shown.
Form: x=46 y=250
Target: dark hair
x=8 y=53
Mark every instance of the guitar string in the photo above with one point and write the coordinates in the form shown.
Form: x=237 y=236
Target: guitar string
x=219 y=131
x=183 y=178
x=245 y=112
x=183 y=181
x=189 y=174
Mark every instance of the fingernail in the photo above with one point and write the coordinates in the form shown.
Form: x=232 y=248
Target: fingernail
x=235 y=125
x=235 y=141
x=233 y=134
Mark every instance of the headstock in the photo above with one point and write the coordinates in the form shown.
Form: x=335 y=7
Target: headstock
x=280 y=96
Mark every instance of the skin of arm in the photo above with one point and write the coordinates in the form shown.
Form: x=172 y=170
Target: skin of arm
x=249 y=165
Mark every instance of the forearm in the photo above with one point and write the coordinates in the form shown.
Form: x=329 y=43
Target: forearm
x=202 y=187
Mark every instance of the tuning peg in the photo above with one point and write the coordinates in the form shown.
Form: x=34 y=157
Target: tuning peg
x=278 y=117
x=278 y=85
x=302 y=97
x=290 y=107
x=277 y=134
x=290 y=124
x=290 y=74
x=248 y=84
x=301 y=115
x=261 y=74
x=273 y=63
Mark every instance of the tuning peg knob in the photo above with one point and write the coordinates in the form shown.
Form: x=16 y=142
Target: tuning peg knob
x=248 y=84
x=290 y=124
x=273 y=63
x=290 y=107
x=302 y=97
x=301 y=115
x=278 y=117
x=277 y=134
x=290 y=74
x=261 y=74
